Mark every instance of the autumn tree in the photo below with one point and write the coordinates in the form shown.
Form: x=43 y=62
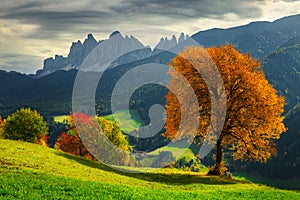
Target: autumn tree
x=71 y=142
x=25 y=124
x=253 y=118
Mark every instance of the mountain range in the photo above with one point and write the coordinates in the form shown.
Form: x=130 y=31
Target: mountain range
x=106 y=50
x=275 y=44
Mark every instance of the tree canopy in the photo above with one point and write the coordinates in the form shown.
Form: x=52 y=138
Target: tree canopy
x=253 y=118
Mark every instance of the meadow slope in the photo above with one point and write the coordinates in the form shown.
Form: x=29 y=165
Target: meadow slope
x=30 y=171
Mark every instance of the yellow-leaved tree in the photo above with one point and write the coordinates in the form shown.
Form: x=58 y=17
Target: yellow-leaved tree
x=253 y=118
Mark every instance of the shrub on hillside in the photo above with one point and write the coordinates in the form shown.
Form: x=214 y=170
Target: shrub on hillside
x=188 y=164
x=25 y=125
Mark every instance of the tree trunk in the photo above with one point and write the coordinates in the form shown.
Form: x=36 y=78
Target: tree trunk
x=216 y=170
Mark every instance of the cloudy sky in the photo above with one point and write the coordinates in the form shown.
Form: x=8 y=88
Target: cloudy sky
x=31 y=30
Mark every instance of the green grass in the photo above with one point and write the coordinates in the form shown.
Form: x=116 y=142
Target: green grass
x=29 y=171
x=178 y=150
x=61 y=118
x=129 y=122
x=292 y=184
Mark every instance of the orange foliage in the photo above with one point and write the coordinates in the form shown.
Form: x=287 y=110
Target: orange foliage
x=253 y=117
x=71 y=142
x=43 y=141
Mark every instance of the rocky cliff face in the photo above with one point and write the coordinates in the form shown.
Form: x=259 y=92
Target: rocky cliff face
x=166 y=44
x=77 y=54
x=116 y=49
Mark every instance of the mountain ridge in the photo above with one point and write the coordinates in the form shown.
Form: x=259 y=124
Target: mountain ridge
x=259 y=38
x=114 y=45
x=257 y=35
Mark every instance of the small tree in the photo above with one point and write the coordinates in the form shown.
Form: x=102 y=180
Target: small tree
x=25 y=125
x=253 y=118
x=113 y=132
x=71 y=142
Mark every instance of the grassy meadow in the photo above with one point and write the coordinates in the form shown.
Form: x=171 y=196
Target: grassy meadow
x=30 y=171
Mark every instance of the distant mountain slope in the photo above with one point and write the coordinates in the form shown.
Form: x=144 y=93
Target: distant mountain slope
x=288 y=146
x=51 y=93
x=282 y=69
x=257 y=38
x=286 y=164
x=294 y=41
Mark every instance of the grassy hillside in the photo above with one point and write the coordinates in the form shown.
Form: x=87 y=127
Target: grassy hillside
x=130 y=123
x=61 y=118
x=34 y=172
x=177 y=149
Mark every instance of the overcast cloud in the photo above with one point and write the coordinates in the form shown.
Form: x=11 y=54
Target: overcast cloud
x=33 y=30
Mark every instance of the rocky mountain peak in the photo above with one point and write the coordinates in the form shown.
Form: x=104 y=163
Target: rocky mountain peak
x=166 y=44
x=90 y=36
x=114 y=51
x=90 y=39
x=115 y=33
x=181 y=38
x=115 y=45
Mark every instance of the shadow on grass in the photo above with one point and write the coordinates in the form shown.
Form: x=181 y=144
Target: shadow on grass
x=286 y=184
x=160 y=177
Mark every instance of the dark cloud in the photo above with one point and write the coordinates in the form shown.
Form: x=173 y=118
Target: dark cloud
x=56 y=17
x=72 y=16
x=67 y=15
x=52 y=23
x=29 y=5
